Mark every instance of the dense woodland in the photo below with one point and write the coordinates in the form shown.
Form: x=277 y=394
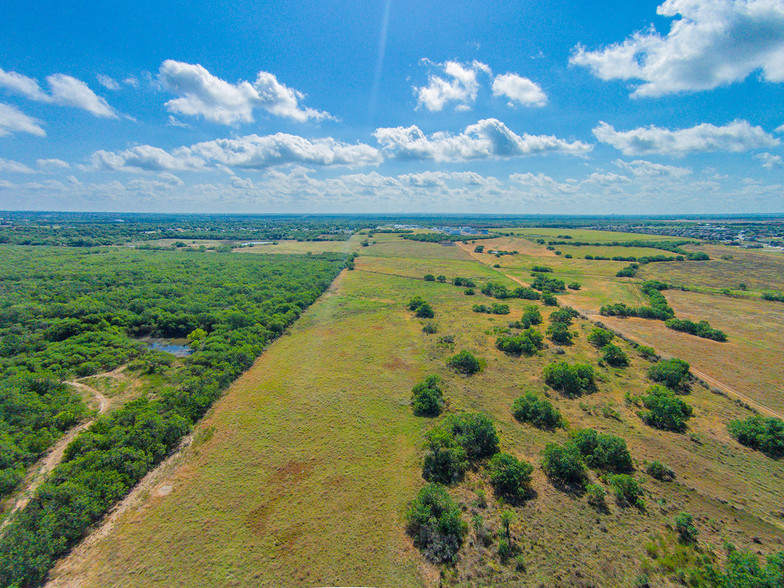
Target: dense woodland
x=69 y=312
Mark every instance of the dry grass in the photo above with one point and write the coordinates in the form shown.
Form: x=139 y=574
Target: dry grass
x=301 y=473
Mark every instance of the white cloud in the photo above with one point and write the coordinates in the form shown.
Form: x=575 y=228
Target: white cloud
x=487 y=139
x=607 y=179
x=51 y=164
x=456 y=82
x=713 y=44
x=543 y=184
x=107 y=82
x=63 y=90
x=203 y=94
x=648 y=169
x=519 y=90
x=14 y=167
x=254 y=151
x=249 y=152
x=131 y=81
x=144 y=158
x=769 y=160
x=735 y=137
x=15 y=121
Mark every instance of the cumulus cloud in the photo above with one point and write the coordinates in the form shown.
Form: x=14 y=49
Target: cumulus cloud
x=487 y=139
x=541 y=183
x=63 y=90
x=249 y=152
x=769 y=160
x=107 y=82
x=13 y=120
x=52 y=164
x=735 y=137
x=203 y=94
x=519 y=90
x=648 y=169
x=714 y=43
x=14 y=167
x=454 y=82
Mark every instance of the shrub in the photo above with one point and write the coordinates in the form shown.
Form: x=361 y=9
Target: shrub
x=614 y=356
x=559 y=334
x=563 y=464
x=464 y=362
x=646 y=352
x=499 y=308
x=563 y=315
x=415 y=303
x=474 y=432
x=596 y=495
x=525 y=293
x=445 y=459
x=573 y=285
x=572 y=380
x=427 y=399
x=541 y=269
x=532 y=315
x=546 y=284
x=540 y=412
x=600 y=337
x=525 y=343
x=628 y=491
x=430 y=278
x=664 y=410
x=479 y=249
x=509 y=476
x=469 y=292
x=673 y=373
x=700 y=329
x=760 y=433
x=433 y=521
x=660 y=471
x=548 y=299
x=441 y=279
x=684 y=525
x=424 y=310
x=429 y=328
x=602 y=451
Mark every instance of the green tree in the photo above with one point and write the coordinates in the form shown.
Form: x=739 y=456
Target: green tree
x=540 y=412
x=563 y=464
x=510 y=477
x=464 y=362
x=433 y=521
x=427 y=398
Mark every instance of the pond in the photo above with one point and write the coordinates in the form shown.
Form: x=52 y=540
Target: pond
x=175 y=347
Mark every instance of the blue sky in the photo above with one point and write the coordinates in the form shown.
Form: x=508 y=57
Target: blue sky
x=523 y=107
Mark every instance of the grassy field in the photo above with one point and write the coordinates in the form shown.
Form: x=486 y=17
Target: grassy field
x=587 y=235
x=301 y=474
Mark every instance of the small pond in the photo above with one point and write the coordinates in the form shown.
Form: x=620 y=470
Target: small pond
x=175 y=347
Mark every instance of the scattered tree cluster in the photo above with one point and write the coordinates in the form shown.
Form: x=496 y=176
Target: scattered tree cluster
x=525 y=343
x=538 y=411
x=420 y=308
x=664 y=410
x=764 y=434
x=427 y=398
x=571 y=380
x=700 y=329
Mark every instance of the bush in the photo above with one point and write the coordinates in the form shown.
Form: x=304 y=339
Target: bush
x=445 y=459
x=673 y=373
x=464 y=362
x=660 y=471
x=700 y=329
x=430 y=278
x=602 y=451
x=509 y=476
x=415 y=303
x=628 y=491
x=429 y=328
x=563 y=464
x=664 y=410
x=563 y=315
x=433 y=521
x=600 y=337
x=525 y=293
x=527 y=342
x=684 y=525
x=559 y=334
x=573 y=285
x=441 y=279
x=532 y=315
x=474 y=432
x=424 y=310
x=614 y=356
x=571 y=380
x=646 y=352
x=469 y=292
x=540 y=412
x=596 y=495
x=760 y=433
x=427 y=399
x=548 y=299
x=499 y=308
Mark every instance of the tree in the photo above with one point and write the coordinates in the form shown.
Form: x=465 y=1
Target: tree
x=572 y=380
x=559 y=334
x=424 y=310
x=660 y=471
x=673 y=373
x=600 y=337
x=664 y=410
x=510 y=477
x=602 y=451
x=628 y=490
x=474 y=432
x=427 y=398
x=445 y=459
x=563 y=464
x=540 y=412
x=527 y=342
x=464 y=362
x=430 y=278
x=614 y=356
x=764 y=434
x=433 y=521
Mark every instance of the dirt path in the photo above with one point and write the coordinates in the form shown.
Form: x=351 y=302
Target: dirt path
x=38 y=472
x=728 y=390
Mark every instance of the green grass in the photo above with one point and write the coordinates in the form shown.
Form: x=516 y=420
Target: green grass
x=303 y=470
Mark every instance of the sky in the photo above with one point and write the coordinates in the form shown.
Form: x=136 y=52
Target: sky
x=393 y=106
